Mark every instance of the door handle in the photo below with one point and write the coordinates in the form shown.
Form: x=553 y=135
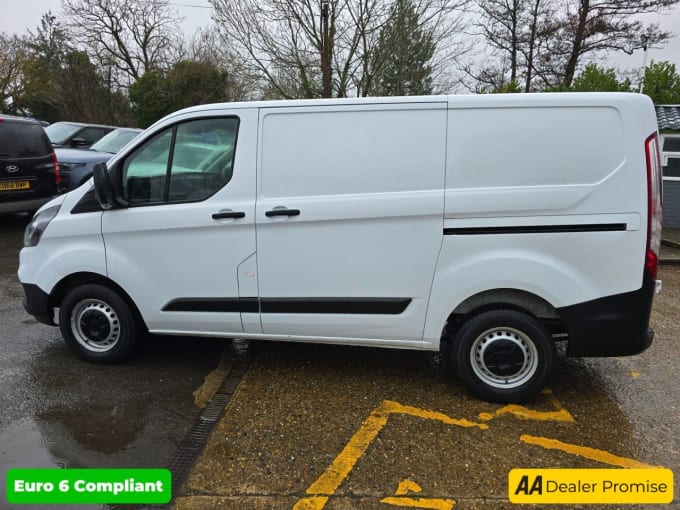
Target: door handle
x=228 y=214
x=282 y=212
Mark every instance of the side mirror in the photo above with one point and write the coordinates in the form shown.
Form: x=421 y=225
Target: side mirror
x=79 y=142
x=103 y=189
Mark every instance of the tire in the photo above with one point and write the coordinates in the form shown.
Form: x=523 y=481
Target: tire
x=503 y=356
x=98 y=324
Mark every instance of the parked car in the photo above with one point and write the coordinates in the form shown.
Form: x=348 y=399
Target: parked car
x=75 y=165
x=76 y=134
x=29 y=173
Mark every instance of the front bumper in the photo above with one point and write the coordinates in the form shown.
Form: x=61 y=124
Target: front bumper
x=36 y=303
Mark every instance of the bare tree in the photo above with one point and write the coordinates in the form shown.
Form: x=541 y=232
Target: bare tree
x=131 y=36
x=13 y=55
x=545 y=41
x=316 y=48
x=599 y=25
x=517 y=33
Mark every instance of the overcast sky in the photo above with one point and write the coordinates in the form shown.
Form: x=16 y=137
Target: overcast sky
x=17 y=17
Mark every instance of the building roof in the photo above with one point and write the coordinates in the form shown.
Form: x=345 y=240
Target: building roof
x=668 y=117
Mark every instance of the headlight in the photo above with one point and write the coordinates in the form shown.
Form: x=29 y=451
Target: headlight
x=34 y=230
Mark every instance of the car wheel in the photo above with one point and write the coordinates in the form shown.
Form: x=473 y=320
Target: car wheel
x=503 y=355
x=98 y=324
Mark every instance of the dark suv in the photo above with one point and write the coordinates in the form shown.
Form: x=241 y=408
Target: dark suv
x=29 y=173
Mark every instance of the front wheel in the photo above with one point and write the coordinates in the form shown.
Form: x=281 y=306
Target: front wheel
x=503 y=355
x=98 y=324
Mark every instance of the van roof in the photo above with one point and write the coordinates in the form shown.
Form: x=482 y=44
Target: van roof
x=640 y=104
x=454 y=101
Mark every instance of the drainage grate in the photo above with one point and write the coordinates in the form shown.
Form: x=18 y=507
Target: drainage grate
x=192 y=445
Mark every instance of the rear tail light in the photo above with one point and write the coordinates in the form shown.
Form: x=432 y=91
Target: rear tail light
x=654 y=204
x=57 y=175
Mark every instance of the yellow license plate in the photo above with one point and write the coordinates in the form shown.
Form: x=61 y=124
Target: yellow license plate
x=12 y=185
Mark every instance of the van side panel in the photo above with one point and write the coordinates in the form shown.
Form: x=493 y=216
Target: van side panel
x=355 y=264
x=546 y=195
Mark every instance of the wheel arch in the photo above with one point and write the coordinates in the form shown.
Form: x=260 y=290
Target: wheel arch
x=503 y=298
x=70 y=282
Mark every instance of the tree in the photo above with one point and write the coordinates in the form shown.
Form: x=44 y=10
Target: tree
x=401 y=59
x=544 y=42
x=133 y=37
x=43 y=69
x=188 y=83
x=590 y=26
x=662 y=83
x=301 y=50
x=13 y=55
x=518 y=33
x=61 y=83
x=599 y=79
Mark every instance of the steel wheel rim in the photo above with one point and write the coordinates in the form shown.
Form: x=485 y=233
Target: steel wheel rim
x=515 y=342
x=95 y=325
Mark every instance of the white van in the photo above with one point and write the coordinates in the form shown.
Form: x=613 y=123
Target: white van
x=483 y=226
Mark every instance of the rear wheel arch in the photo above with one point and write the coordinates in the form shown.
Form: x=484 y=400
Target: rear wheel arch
x=507 y=299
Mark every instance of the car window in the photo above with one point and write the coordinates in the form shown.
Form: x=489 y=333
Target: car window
x=200 y=163
x=144 y=172
x=22 y=140
x=92 y=134
x=114 y=141
x=59 y=132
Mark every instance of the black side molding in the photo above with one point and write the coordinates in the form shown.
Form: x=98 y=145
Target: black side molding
x=359 y=306
x=368 y=306
x=236 y=305
x=536 y=229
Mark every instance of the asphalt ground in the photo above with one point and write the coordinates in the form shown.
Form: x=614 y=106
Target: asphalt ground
x=59 y=411
x=312 y=427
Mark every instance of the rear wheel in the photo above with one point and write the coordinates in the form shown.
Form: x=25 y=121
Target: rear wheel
x=503 y=355
x=98 y=324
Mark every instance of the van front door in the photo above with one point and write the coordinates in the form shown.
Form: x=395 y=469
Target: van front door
x=178 y=246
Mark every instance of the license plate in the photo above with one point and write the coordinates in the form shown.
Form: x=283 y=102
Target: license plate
x=12 y=185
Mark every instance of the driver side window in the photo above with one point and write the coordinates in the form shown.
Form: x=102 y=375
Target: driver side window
x=187 y=162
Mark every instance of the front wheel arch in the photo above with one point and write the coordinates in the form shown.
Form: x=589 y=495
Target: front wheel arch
x=74 y=280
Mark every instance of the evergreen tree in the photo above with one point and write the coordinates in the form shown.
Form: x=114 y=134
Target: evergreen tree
x=662 y=83
x=401 y=63
x=594 y=78
x=188 y=83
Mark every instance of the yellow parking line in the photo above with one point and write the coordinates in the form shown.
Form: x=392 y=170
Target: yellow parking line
x=585 y=452
x=343 y=464
x=524 y=413
x=406 y=486
x=328 y=483
x=427 y=503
